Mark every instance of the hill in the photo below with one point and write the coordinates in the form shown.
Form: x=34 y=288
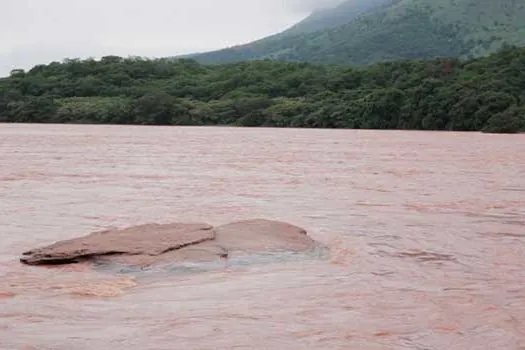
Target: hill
x=389 y=30
x=441 y=94
x=336 y=16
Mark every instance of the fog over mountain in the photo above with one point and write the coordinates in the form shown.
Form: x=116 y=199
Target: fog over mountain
x=36 y=31
x=312 y=5
x=363 y=32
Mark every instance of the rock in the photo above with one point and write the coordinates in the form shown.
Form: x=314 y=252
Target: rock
x=174 y=243
x=149 y=240
x=252 y=236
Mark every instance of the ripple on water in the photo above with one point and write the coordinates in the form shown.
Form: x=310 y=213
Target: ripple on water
x=425 y=232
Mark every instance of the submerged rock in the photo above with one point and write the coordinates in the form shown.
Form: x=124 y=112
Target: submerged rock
x=151 y=244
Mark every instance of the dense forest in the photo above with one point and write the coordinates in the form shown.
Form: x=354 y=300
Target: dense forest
x=363 y=32
x=441 y=94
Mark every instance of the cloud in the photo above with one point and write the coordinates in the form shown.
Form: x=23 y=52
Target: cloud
x=40 y=31
x=312 y=5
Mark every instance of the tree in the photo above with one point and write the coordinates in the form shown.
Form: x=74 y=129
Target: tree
x=440 y=94
x=154 y=108
x=510 y=121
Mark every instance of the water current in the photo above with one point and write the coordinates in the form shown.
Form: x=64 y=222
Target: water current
x=426 y=232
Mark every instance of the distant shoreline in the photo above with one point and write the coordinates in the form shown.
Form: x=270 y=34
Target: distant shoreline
x=483 y=94
x=262 y=128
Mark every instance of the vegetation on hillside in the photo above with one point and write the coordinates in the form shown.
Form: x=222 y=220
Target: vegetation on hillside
x=333 y=17
x=442 y=94
x=392 y=30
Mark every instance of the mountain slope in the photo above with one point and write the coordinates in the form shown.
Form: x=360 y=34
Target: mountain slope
x=397 y=29
x=333 y=17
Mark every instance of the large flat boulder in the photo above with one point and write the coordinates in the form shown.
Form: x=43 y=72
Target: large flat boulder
x=252 y=236
x=149 y=240
x=174 y=243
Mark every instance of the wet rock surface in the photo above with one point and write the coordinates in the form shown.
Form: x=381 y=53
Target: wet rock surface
x=154 y=244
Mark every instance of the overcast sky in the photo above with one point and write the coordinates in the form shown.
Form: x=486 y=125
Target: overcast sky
x=41 y=31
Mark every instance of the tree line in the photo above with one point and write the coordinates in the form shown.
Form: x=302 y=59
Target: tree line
x=483 y=94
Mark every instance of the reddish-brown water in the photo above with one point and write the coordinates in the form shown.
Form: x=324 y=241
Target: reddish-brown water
x=426 y=231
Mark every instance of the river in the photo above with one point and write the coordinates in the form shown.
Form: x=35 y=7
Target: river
x=426 y=232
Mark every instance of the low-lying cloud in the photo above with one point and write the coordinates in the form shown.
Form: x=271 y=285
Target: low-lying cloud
x=37 y=31
x=312 y=5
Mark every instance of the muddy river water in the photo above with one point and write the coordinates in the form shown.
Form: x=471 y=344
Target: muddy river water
x=426 y=232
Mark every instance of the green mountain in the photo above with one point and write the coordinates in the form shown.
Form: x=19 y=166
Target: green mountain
x=336 y=16
x=390 y=30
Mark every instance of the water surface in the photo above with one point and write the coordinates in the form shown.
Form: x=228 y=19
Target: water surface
x=426 y=231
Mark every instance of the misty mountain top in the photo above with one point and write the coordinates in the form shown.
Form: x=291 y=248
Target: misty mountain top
x=363 y=32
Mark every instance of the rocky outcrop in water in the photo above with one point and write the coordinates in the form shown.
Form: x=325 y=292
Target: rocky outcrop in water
x=157 y=244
